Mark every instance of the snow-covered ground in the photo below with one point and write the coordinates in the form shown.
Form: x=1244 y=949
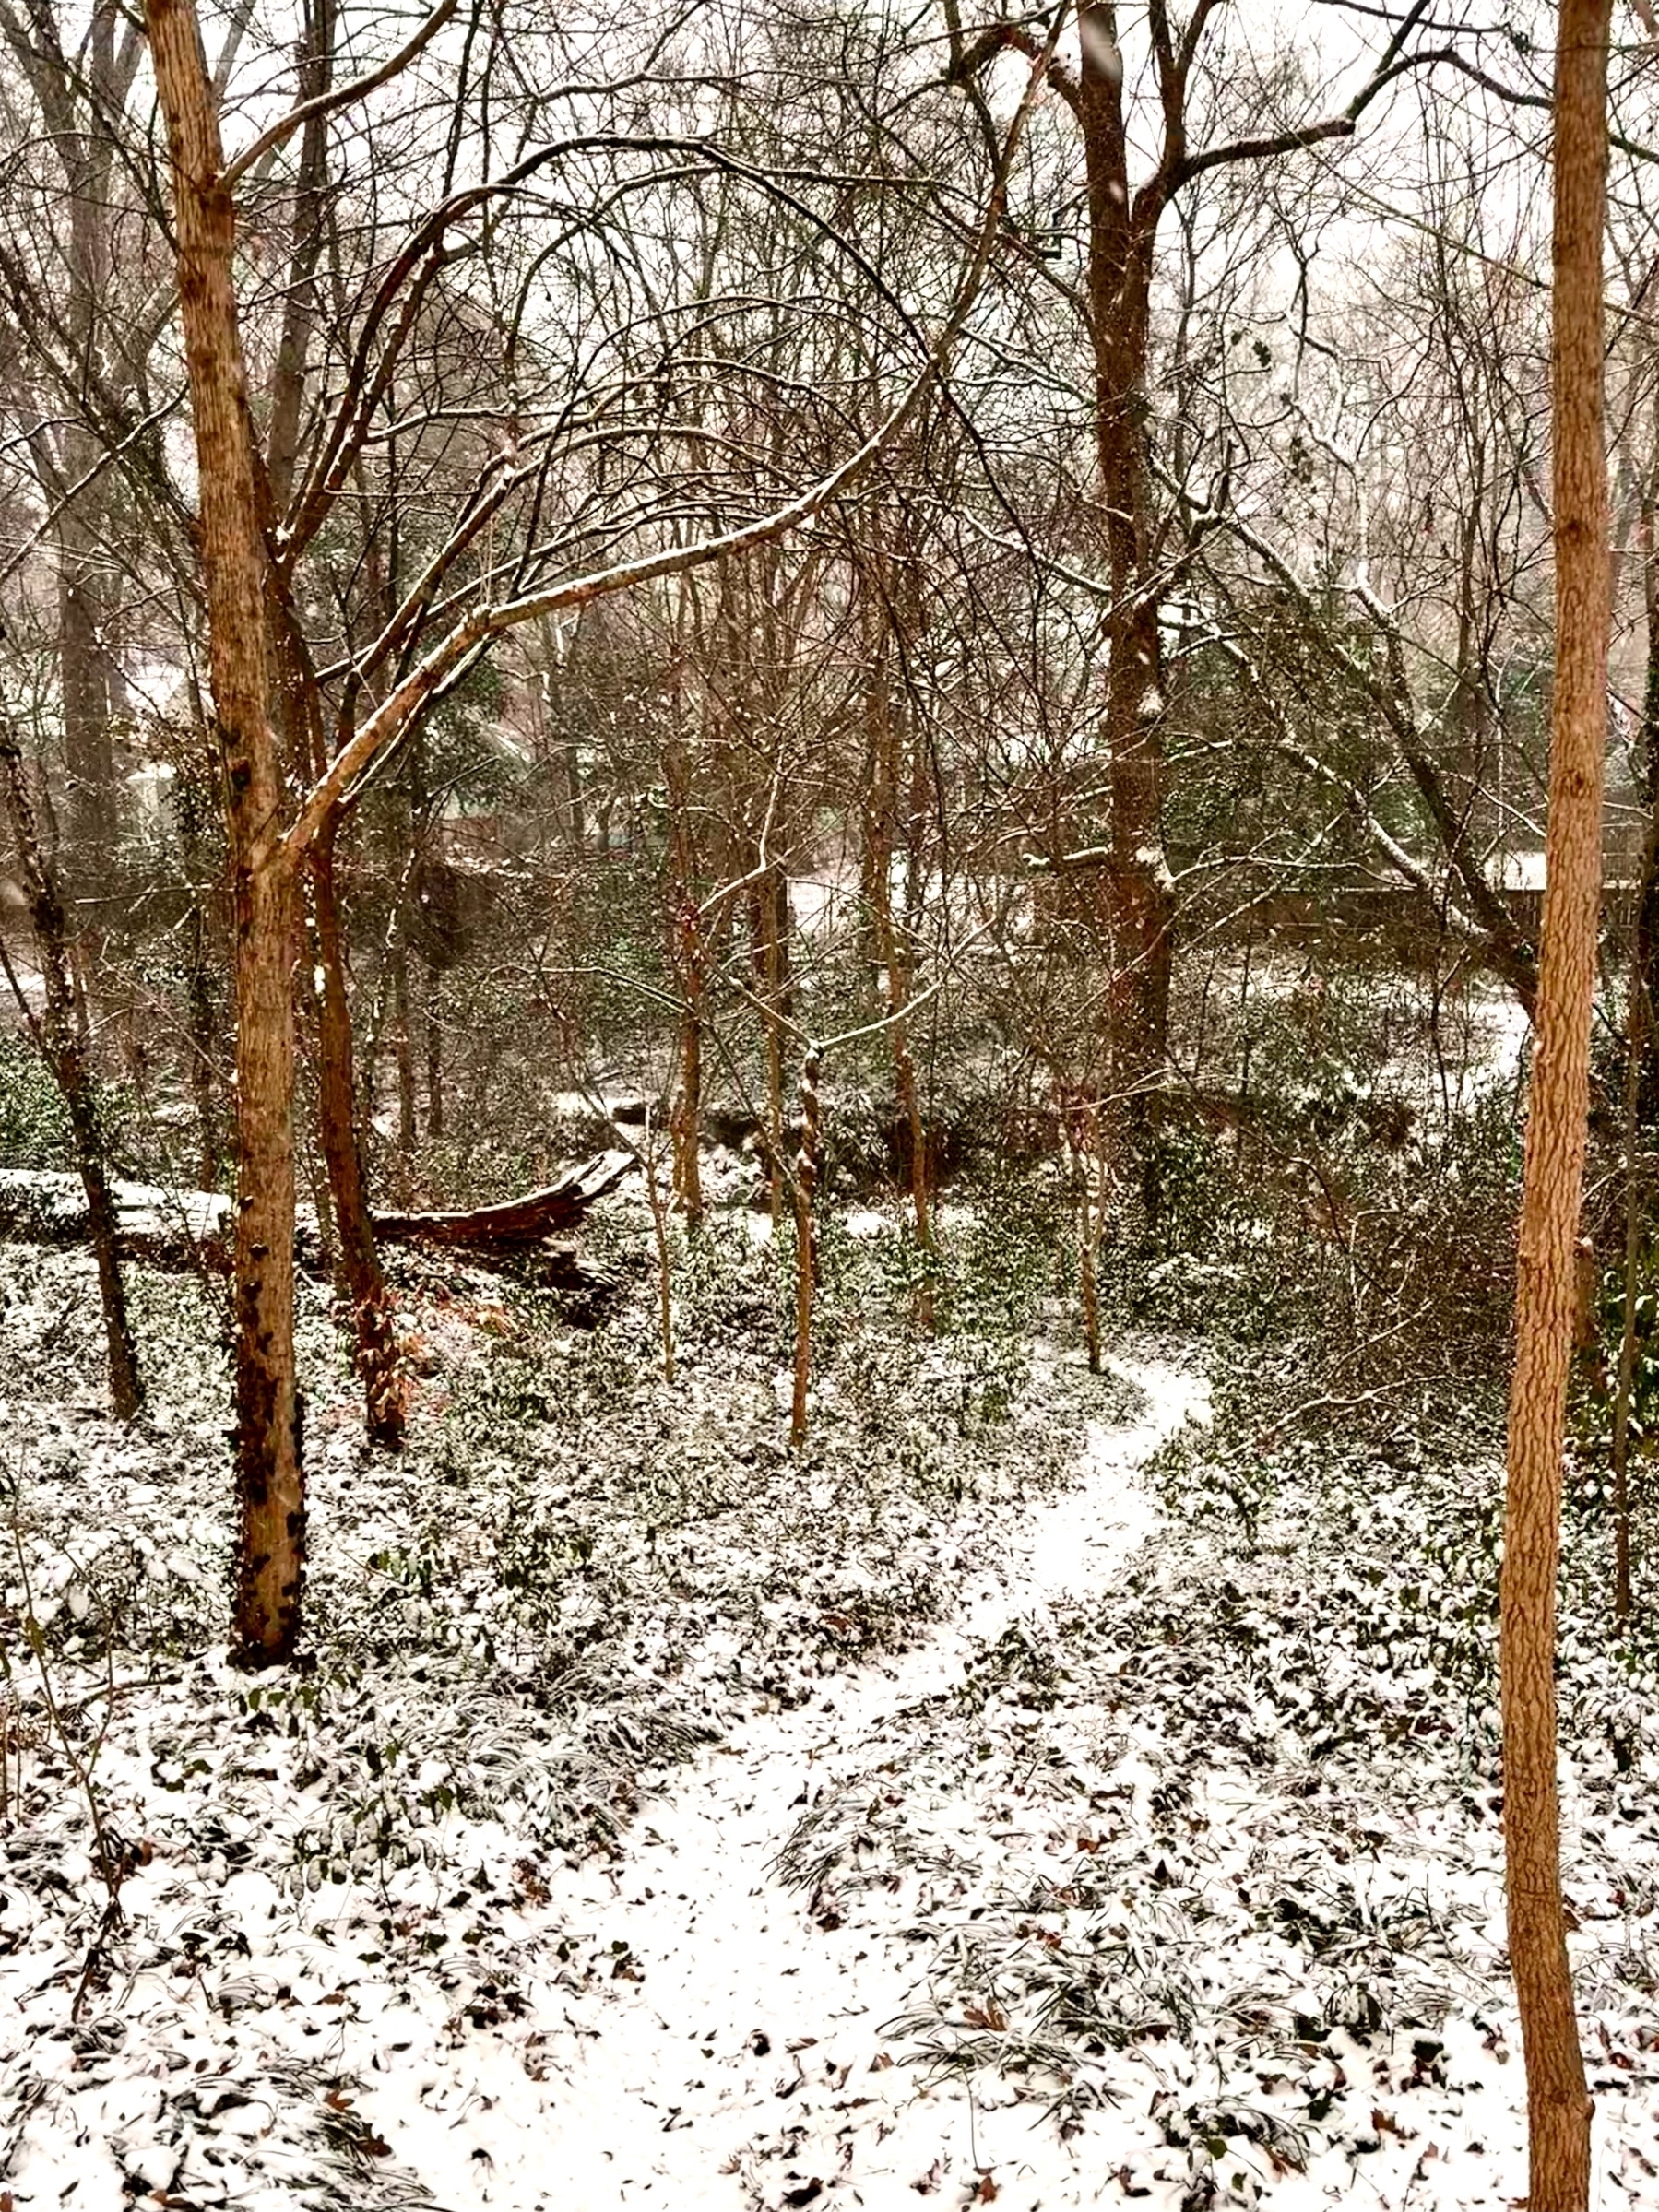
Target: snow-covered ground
x=749 y=2061
x=1028 y=1795
x=647 y=2016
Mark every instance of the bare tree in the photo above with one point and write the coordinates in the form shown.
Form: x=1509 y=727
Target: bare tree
x=1557 y=2099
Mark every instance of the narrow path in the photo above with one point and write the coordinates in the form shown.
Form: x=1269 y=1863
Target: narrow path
x=753 y=2023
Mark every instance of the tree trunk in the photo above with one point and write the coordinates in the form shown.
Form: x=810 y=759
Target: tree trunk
x=59 y=1037
x=1647 y=889
x=1139 y=893
x=1557 y=2099
x=361 y=1276
x=192 y=800
x=769 y=954
x=806 y=1244
x=892 y=954
x=433 y=1009
x=688 y=958
x=83 y=569
x=271 y=1551
x=403 y=1048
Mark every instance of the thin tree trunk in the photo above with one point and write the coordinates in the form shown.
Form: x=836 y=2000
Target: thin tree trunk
x=892 y=956
x=1647 y=889
x=403 y=1050
x=192 y=802
x=361 y=1276
x=689 y=956
x=806 y=1243
x=270 y=1549
x=660 y=1229
x=59 y=1038
x=1637 y=1016
x=433 y=1009
x=1557 y=2099
x=767 y=954
x=202 y=1041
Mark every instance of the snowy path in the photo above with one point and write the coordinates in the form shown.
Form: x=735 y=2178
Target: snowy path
x=754 y=2028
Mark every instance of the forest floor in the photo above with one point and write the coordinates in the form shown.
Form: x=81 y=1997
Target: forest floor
x=1030 y=1793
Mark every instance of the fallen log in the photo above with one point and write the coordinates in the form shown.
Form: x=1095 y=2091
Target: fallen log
x=516 y=1221
x=173 y=1229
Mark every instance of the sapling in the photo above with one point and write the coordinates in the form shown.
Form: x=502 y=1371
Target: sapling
x=110 y=1858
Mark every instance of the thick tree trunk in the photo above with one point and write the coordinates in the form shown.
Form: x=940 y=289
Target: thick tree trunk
x=83 y=572
x=1557 y=2099
x=59 y=1037
x=270 y=1495
x=1139 y=893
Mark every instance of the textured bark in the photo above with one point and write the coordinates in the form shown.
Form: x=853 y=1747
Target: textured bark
x=517 y=1221
x=299 y=304
x=1122 y=239
x=1557 y=2099
x=270 y=1495
x=59 y=1036
x=80 y=99
x=1647 y=891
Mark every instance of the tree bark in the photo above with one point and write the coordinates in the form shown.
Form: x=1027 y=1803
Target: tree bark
x=433 y=1013
x=892 y=948
x=1140 y=895
x=806 y=1243
x=58 y=1036
x=361 y=1276
x=516 y=1221
x=689 y=954
x=1647 y=888
x=271 y=1551
x=1557 y=2099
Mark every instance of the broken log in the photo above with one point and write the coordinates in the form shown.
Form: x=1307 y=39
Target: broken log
x=517 y=1221
x=177 y=1229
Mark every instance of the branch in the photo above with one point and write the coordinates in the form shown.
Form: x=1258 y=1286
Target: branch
x=1395 y=63
x=415 y=692
x=327 y=103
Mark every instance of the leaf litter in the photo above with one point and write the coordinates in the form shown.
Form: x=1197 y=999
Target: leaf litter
x=955 y=1815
